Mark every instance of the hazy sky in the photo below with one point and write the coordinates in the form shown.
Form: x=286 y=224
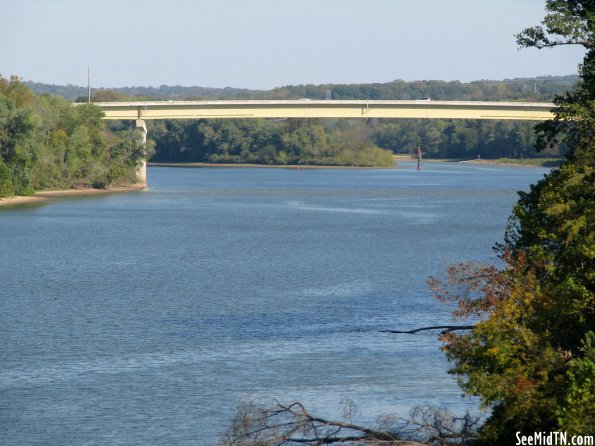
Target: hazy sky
x=263 y=44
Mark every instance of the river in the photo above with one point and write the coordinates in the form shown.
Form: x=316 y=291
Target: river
x=142 y=318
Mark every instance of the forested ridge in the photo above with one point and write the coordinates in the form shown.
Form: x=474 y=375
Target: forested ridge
x=47 y=143
x=339 y=142
x=542 y=88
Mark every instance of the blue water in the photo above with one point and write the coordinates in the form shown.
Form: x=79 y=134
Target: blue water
x=142 y=318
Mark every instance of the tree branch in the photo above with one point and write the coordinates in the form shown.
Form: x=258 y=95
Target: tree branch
x=446 y=329
x=279 y=424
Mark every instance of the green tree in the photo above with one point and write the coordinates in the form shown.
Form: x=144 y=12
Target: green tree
x=6 y=186
x=45 y=142
x=17 y=91
x=16 y=128
x=531 y=357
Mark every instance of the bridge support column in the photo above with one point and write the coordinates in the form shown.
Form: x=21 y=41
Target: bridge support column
x=141 y=171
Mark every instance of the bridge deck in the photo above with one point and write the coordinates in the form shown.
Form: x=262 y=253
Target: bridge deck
x=326 y=109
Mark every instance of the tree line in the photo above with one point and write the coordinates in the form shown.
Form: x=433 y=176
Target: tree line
x=46 y=143
x=542 y=88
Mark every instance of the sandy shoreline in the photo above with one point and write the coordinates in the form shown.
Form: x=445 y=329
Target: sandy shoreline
x=13 y=201
x=46 y=195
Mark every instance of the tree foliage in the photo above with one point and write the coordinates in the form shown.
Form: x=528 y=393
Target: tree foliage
x=339 y=142
x=542 y=88
x=292 y=141
x=531 y=356
x=45 y=142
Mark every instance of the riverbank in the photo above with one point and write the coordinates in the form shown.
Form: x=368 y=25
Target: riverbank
x=272 y=166
x=46 y=195
x=524 y=162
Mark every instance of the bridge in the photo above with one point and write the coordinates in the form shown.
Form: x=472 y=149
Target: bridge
x=306 y=108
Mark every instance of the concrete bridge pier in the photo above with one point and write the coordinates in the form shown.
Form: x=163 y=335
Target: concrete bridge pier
x=141 y=171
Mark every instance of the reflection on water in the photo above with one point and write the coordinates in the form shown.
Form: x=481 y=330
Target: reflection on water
x=143 y=318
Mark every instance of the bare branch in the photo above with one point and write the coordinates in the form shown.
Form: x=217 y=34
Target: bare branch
x=279 y=424
x=446 y=329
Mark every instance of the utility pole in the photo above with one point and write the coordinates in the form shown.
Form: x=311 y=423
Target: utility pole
x=89 y=82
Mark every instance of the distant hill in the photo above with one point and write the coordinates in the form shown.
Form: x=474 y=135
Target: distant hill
x=542 y=88
x=72 y=92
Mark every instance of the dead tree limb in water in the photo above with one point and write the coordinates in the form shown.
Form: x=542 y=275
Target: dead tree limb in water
x=272 y=423
x=445 y=329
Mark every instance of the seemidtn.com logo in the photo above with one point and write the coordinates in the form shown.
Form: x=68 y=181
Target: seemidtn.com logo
x=554 y=439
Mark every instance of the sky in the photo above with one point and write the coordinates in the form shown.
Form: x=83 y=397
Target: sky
x=262 y=44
